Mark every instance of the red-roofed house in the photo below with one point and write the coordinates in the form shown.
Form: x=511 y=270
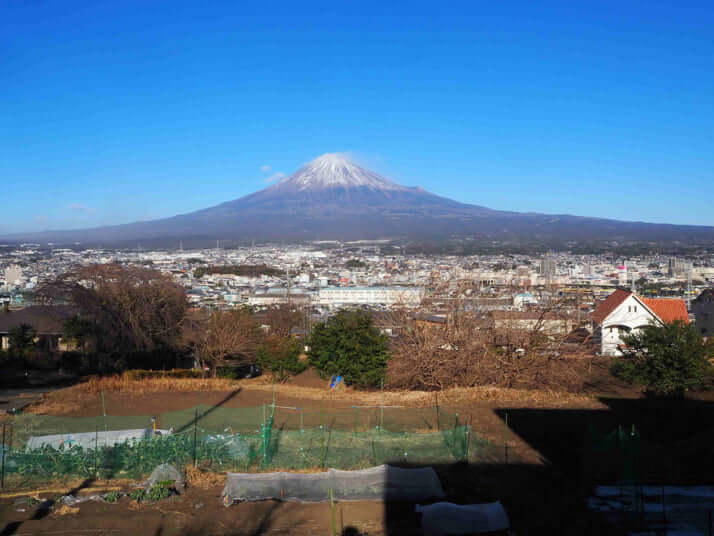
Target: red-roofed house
x=624 y=311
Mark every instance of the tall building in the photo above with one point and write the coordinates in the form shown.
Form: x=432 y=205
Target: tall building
x=677 y=267
x=547 y=267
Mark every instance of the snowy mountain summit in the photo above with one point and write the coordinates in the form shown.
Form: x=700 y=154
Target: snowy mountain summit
x=335 y=170
x=332 y=198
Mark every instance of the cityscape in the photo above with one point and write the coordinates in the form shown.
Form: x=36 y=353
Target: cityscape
x=356 y=269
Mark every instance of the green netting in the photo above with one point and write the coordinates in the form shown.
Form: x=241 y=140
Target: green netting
x=613 y=456
x=243 y=439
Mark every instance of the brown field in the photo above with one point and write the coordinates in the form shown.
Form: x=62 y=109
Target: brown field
x=539 y=478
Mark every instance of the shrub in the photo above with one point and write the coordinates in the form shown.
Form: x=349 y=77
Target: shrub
x=350 y=345
x=112 y=496
x=178 y=374
x=281 y=356
x=160 y=490
x=137 y=494
x=667 y=359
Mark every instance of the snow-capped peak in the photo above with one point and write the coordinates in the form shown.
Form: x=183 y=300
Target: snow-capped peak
x=335 y=170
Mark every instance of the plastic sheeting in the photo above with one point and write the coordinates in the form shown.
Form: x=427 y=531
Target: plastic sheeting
x=383 y=482
x=444 y=518
x=88 y=440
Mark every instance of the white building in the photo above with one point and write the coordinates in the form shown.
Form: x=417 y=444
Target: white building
x=13 y=276
x=625 y=312
x=387 y=296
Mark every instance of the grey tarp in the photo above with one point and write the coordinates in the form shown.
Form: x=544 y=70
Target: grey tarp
x=383 y=482
x=88 y=440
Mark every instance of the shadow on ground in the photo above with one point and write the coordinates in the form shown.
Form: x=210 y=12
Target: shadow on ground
x=579 y=449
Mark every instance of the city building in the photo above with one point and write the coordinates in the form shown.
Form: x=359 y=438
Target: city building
x=703 y=309
x=385 y=296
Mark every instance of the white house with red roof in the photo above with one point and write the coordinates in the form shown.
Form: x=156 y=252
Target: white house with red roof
x=624 y=312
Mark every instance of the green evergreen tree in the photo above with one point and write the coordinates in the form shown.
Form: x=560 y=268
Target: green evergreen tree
x=667 y=359
x=350 y=345
x=22 y=339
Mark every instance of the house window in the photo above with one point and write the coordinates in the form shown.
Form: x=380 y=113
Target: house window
x=635 y=308
x=629 y=308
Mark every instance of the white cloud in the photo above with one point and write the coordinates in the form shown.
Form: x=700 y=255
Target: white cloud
x=265 y=168
x=275 y=177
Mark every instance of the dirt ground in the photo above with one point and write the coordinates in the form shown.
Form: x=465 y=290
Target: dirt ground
x=538 y=472
x=197 y=512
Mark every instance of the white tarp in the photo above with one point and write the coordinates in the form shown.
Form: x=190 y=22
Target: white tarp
x=444 y=518
x=383 y=482
x=88 y=440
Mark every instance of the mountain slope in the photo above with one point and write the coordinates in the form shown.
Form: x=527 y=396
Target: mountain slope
x=333 y=198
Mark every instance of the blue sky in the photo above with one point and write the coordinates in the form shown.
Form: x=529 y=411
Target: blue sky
x=112 y=112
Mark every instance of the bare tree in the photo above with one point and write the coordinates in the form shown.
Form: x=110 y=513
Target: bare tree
x=466 y=346
x=282 y=318
x=134 y=308
x=227 y=335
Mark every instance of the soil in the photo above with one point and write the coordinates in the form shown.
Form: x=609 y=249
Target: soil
x=539 y=471
x=309 y=378
x=197 y=512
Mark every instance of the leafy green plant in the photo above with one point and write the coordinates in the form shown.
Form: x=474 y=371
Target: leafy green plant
x=137 y=494
x=32 y=502
x=112 y=496
x=161 y=490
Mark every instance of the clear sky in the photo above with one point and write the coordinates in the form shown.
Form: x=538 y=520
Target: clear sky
x=116 y=111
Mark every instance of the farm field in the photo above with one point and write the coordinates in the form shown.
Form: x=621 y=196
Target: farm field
x=536 y=465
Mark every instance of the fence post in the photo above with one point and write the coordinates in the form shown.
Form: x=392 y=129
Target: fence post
x=436 y=405
x=301 y=421
x=96 y=451
x=381 y=408
x=195 y=431
x=505 y=440
x=332 y=510
x=468 y=430
x=2 y=478
x=104 y=412
x=356 y=419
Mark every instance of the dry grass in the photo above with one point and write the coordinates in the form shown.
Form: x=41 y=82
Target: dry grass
x=453 y=396
x=199 y=479
x=66 y=510
x=122 y=384
x=67 y=401
x=125 y=384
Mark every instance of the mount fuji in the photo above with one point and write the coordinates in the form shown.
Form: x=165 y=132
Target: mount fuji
x=331 y=197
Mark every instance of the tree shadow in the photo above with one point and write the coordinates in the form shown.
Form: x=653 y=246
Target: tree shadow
x=646 y=441
x=44 y=508
x=210 y=410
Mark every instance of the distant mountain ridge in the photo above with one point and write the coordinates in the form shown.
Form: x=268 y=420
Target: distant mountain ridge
x=331 y=197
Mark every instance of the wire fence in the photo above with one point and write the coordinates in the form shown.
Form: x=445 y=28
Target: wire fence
x=216 y=438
